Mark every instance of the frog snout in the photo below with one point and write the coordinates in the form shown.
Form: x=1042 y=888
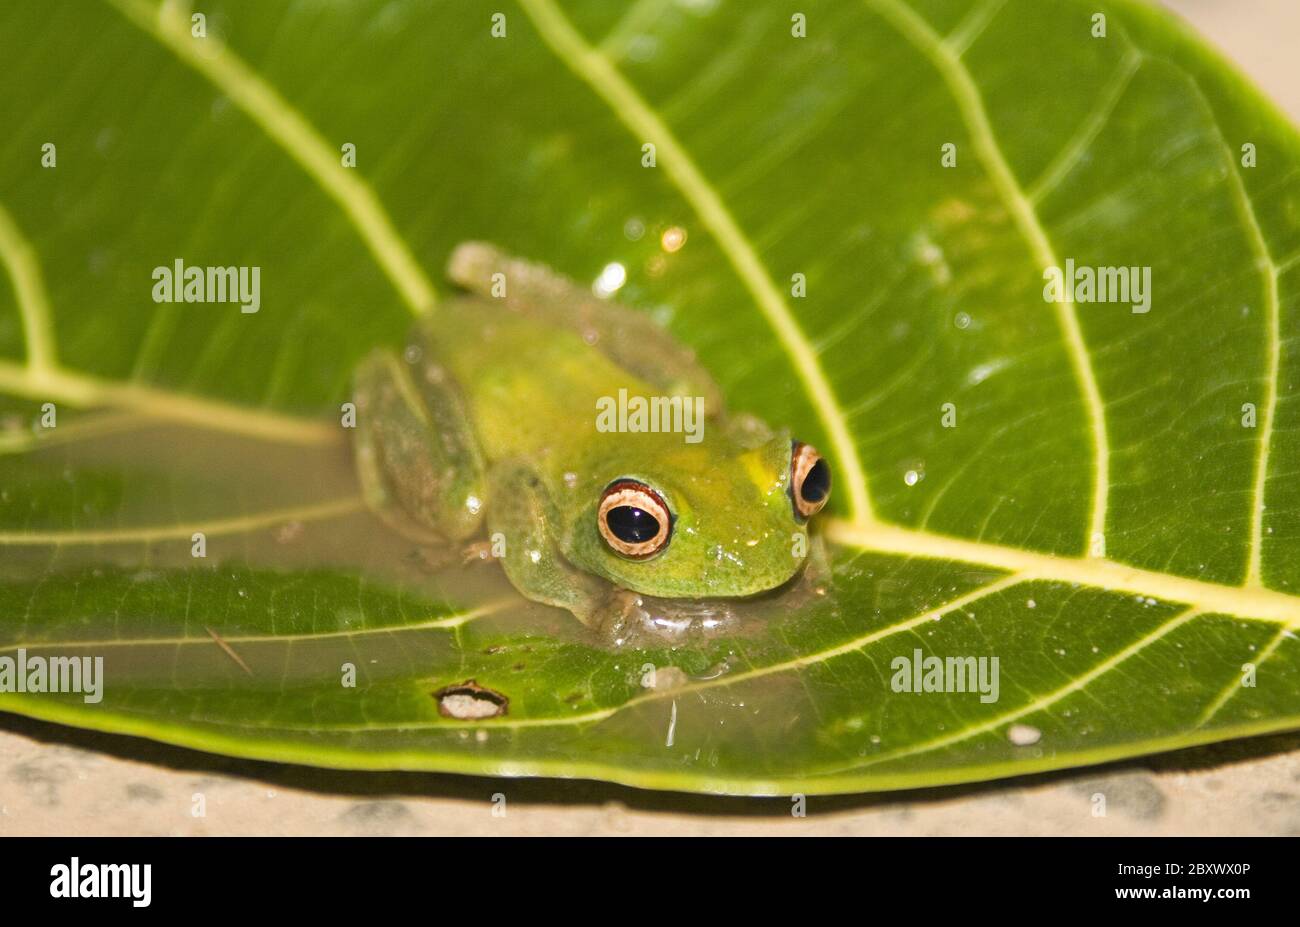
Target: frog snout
x=746 y=570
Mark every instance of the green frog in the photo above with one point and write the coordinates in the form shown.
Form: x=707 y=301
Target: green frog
x=490 y=422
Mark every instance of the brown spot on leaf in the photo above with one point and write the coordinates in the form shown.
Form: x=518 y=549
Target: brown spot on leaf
x=468 y=701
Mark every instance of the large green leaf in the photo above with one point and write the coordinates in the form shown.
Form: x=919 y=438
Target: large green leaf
x=1100 y=519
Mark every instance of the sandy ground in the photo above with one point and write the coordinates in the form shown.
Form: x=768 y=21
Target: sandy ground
x=1261 y=36
x=59 y=781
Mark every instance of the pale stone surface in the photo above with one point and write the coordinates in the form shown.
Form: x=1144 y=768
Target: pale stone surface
x=59 y=781
x=1261 y=36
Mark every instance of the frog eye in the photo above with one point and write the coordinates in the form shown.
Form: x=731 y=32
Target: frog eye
x=810 y=479
x=634 y=519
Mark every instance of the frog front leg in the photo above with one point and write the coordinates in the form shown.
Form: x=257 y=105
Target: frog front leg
x=524 y=519
x=417 y=455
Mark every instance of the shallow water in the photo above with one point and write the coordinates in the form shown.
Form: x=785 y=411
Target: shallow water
x=144 y=491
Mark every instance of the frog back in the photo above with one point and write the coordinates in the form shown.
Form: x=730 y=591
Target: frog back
x=531 y=388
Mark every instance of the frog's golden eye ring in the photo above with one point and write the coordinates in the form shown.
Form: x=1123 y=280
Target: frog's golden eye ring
x=810 y=480
x=634 y=519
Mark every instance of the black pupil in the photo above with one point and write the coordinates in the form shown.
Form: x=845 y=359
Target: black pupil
x=816 y=484
x=632 y=525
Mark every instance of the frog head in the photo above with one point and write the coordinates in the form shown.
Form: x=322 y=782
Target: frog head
x=716 y=519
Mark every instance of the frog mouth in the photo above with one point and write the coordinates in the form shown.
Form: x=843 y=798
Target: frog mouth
x=638 y=618
x=741 y=586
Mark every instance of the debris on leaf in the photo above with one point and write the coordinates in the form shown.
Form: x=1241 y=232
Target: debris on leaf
x=1022 y=735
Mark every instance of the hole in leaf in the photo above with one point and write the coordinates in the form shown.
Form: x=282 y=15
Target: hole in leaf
x=468 y=701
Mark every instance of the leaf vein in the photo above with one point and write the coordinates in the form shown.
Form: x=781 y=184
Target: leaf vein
x=297 y=137
x=1235 y=684
x=1042 y=703
x=1268 y=270
x=1089 y=129
x=19 y=258
x=966 y=95
x=241 y=524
